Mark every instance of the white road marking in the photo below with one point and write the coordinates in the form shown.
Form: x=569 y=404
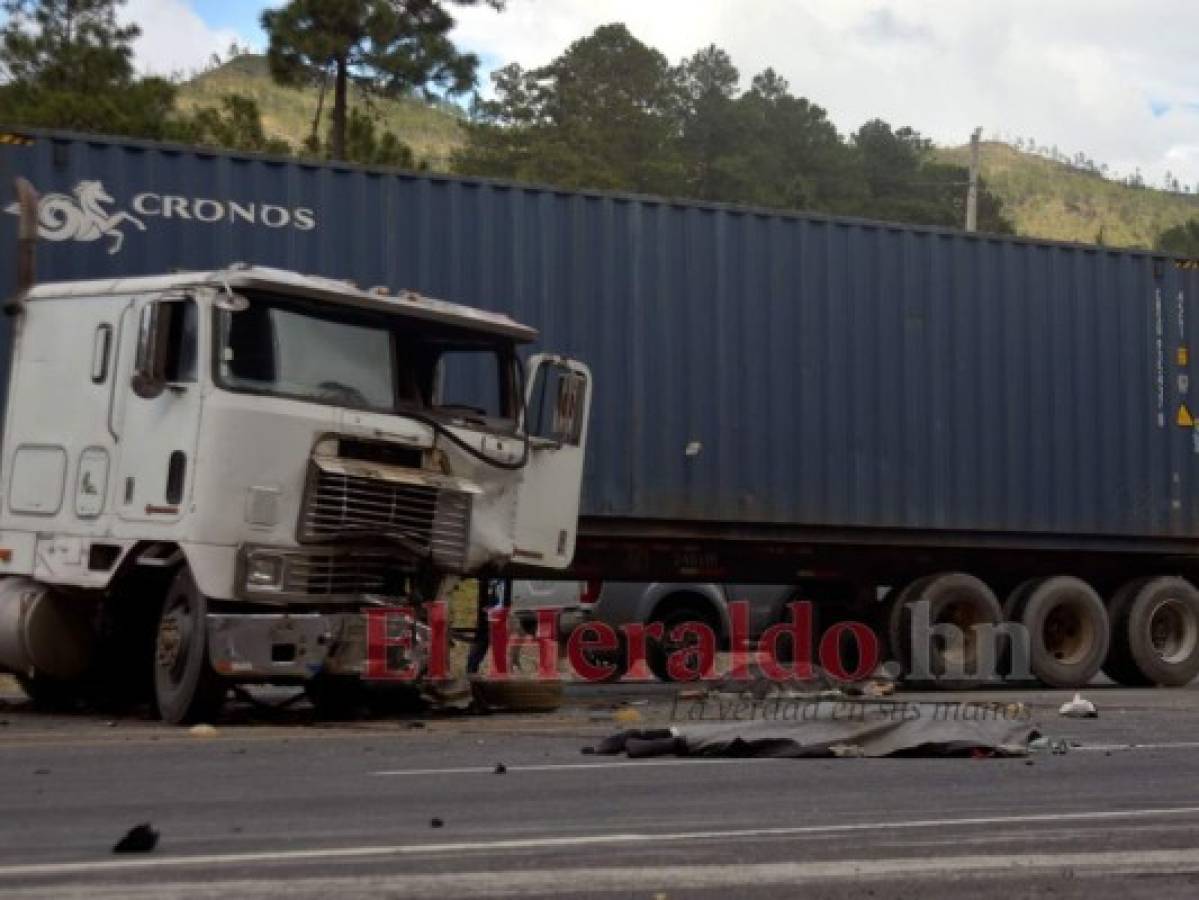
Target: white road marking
x=642 y=879
x=621 y=763
x=317 y=854
x=1171 y=745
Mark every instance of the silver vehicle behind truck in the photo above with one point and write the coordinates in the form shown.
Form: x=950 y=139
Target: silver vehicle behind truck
x=671 y=604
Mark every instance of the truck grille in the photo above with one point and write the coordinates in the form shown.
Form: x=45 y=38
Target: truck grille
x=328 y=575
x=433 y=521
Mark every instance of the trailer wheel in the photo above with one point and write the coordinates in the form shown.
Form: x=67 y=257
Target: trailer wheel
x=964 y=602
x=1119 y=665
x=1013 y=604
x=898 y=622
x=185 y=686
x=1068 y=631
x=1155 y=633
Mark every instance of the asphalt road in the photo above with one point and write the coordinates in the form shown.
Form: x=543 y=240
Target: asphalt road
x=275 y=804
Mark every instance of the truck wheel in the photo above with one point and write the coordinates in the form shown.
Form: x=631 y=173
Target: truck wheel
x=955 y=599
x=658 y=653
x=1119 y=666
x=1067 y=630
x=1155 y=633
x=185 y=686
x=1013 y=604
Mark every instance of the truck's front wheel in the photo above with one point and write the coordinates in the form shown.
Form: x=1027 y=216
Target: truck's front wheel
x=185 y=686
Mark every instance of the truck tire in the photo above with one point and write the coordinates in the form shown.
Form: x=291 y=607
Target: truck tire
x=1013 y=604
x=1013 y=611
x=186 y=689
x=897 y=620
x=954 y=598
x=1155 y=633
x=658 y=652
x=1067 y=630
x=518 y=695
x=1119 y=665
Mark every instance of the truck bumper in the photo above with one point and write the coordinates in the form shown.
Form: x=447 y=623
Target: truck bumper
x=286 y=647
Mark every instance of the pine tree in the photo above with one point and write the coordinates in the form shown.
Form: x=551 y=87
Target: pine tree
x=390 y=47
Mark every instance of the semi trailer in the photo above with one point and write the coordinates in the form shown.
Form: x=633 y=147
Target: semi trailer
x=878 y=414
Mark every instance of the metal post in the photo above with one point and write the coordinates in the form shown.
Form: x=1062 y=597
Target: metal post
x=972 y=190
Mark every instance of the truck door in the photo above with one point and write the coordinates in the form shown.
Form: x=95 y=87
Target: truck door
x=557 y=406
x=156 y=407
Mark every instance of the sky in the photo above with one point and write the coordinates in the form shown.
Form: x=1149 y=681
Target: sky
x=1115 y=79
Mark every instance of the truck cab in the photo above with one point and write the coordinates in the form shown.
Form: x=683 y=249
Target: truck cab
x=252 y=457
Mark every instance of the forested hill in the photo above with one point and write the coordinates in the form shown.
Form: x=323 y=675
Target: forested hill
x=1041 y=197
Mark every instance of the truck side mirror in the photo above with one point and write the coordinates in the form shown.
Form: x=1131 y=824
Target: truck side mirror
x=556 y=401
x=150 y=362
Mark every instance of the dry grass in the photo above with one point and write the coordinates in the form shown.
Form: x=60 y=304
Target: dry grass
x=1050 y=200
x=433 y=132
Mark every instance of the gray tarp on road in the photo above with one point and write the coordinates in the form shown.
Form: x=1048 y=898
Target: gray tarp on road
x=806 y=728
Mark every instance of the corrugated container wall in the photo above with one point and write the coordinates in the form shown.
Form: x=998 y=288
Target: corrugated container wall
x=821 y=371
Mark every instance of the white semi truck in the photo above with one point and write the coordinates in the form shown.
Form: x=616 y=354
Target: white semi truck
x=208 y=477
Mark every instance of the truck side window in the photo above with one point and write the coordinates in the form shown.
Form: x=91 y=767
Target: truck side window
x=472 y=381
x=183 y=337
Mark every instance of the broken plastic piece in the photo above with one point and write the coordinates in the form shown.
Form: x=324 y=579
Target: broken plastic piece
x=1079 y=708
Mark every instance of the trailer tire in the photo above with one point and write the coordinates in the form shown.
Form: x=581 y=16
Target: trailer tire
x=1013 y=604
x=1155 y=633
x=1119 y=665
x=897 y=622
x=1068 y=631
x=186 y=688
x=954 y=598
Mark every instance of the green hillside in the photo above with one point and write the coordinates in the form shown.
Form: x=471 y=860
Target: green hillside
x=431 y=131
x=1042 y=197
x=1052 y=200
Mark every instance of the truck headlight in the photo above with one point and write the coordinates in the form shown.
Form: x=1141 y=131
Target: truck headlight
x=264 y=572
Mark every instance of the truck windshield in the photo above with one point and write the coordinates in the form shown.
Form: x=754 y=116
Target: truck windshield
x=345 y=358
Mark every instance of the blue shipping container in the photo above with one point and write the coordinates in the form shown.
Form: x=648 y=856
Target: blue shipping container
x=752 y=367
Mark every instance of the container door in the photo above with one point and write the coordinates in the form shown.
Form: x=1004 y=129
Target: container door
x=558 y=403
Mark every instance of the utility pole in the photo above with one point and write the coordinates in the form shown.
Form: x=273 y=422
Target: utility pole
x=972 y=190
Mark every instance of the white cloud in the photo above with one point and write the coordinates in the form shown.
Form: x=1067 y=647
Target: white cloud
x=174 y=39
x=1081 y=74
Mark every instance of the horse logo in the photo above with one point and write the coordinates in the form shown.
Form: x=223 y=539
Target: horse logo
x=82 y=217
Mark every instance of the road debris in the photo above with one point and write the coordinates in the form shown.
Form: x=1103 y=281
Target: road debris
x=1056 y=746
x=1079 y=708
x=501 y=769
x=435 y=822
x=203 y=730
x=138 y=839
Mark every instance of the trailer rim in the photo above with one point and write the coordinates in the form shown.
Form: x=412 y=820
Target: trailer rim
x=1173 y=630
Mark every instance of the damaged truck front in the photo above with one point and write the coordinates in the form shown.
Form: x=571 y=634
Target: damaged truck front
x=209 y=478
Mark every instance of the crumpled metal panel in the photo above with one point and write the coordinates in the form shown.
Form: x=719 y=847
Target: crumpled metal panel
x=750 y=366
